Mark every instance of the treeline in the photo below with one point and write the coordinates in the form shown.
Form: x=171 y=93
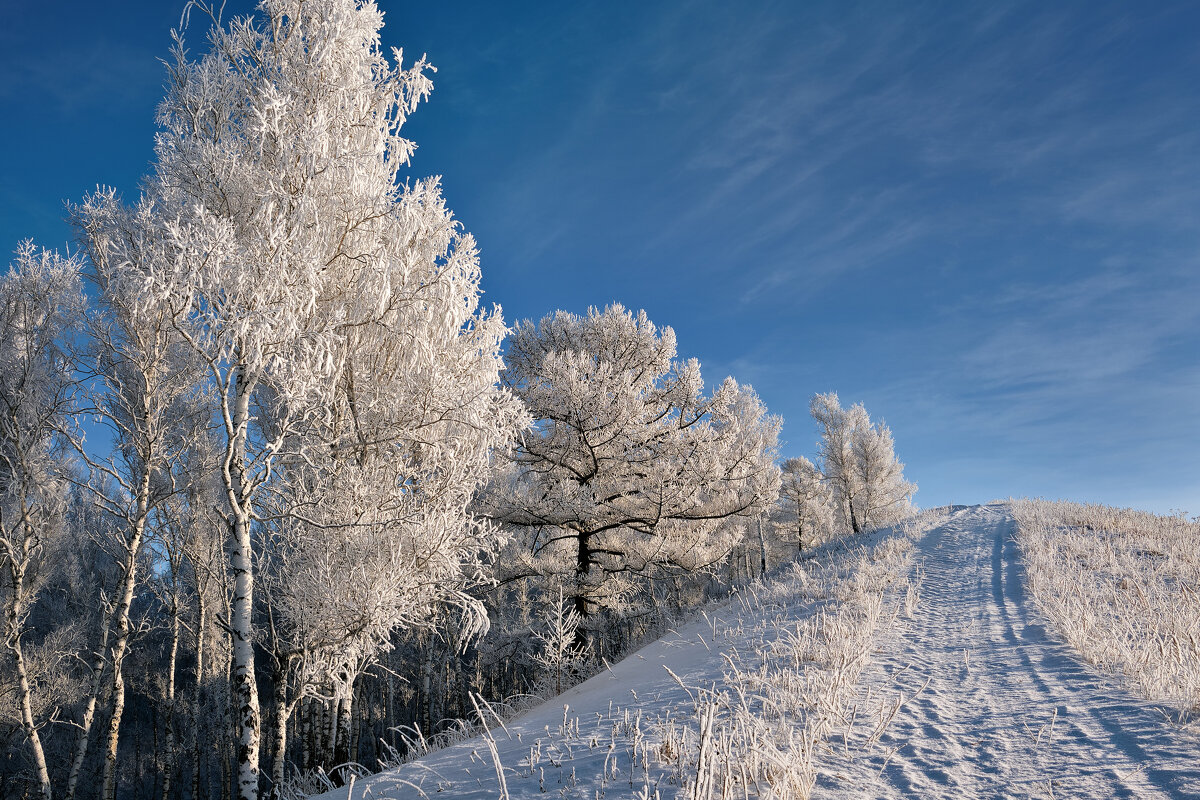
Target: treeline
x=273 y=501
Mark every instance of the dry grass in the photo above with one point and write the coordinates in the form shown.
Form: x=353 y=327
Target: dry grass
x=765 y=730
x=1123 y=587
x=786 y=704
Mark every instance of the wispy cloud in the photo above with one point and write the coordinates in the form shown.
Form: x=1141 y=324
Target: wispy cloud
x=979 y=220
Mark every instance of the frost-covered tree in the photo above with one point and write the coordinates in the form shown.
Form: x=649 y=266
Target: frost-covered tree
x=834 y=451
x=40 y=307
x=629 y=466
x=333 y=305
x=559 y=653
x=884 y=494
x=858 y=461
x=806 y=502
x=145 y=388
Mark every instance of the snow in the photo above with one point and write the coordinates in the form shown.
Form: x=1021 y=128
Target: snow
x=1117 y=584
x=1005 y=709
x=1009 y=711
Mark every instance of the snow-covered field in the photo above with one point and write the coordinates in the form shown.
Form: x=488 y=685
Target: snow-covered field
x=915 y=667
x=1123 y=587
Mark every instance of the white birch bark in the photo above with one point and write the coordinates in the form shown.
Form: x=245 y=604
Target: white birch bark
x=241 y=622
x=40 y=303
x=168 y=765
x=12 y=640
x=121 y=628
x=99 y=661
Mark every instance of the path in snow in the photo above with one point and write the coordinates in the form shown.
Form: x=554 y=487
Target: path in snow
x=1010 y=711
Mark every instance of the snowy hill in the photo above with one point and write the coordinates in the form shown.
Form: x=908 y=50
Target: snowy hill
x=935 y=678
x=1010 y=711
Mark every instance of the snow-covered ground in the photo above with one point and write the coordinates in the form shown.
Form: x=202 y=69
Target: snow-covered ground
x=1123 y=587
x=1009 y=710
x=968 y=698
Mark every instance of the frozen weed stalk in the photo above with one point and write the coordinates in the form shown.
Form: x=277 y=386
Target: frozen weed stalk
x=761 y=732
x=748 y=712
x=1118 y=586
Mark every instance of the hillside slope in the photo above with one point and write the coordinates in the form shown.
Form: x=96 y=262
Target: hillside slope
x=1009 y=711
x=969 y=698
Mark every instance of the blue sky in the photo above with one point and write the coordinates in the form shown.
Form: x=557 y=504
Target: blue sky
x=978 y=219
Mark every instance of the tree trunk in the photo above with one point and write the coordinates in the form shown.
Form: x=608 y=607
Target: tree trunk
x=89 y=709
x=345 y=709
x=121 y=629
x=281 y=714
x=762 y=551
x=354 y=728
x=427 y=689
x=245 y=687
x=329 y=731
x=229 y=730
x=198 y=692
x=25 y=692
x=108 y=790
x=306 y=713
x=169 y=722
x=583 y=565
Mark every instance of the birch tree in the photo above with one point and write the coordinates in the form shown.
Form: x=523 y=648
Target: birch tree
x=146 y=390
x=302 y=262
x=40 y=306
x=629 y=466
x=885 y=495
x=858 y=461
x=806 y=502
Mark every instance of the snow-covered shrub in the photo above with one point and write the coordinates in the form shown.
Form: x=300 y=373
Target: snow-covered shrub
x=560 y=655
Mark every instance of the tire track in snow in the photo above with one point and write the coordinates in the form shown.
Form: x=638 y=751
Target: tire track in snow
x=1009 y=710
